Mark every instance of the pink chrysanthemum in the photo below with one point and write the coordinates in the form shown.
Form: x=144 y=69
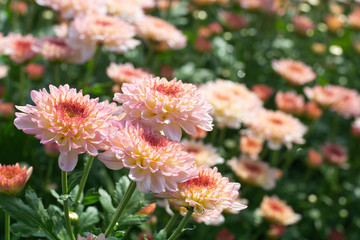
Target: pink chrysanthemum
x=167 y=106
x=208 y=192
x=160 y=34
x=251 y=146
x=13 y=178
x=156 y=163
x=268 y=6
x=254 y=172
x=19 y=47
x=277 y=211
x=53 y=49
x=115 y=34
x=348 y=105
x=290 y=102
x=75 y=8
x=303 y=24
x=125 y=73
x=75 y=122
x=295 y=72
x=233 y=103
x=205 y=154
x=354 y=18
x=277 y=127
x=127 y=10
x=334 y=153
x=325 y=96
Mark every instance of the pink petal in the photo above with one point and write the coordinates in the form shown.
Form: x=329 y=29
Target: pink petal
x=67 y=162
x=188 y=127
x=173 y=131
x=109 y=159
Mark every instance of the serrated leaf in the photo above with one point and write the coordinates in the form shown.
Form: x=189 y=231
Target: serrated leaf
x=88 y=219
x=130 y=220
x=105 y=201
x=160 y=235
x=91 y=196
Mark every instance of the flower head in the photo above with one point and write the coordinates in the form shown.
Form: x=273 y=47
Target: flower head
x=129 y=11
x=35 y=71
x=295 y=72
x=53 y=49
x=314 y=158
x=125 y=73
x=75 y=122
x=312 y=110
x=354 y=18
x=13 y=178
x=209 y=193
x=277 y=211
x=254 y=172
x=233 y=103
x=251 y=146
x=160 y=34
x=205 y=154
x=334 y=153
x=290 y=102
x=156 y=163
x=277 y=127
x=303 y=24
x=263 y=91
x=165 y=105
x=18 y=47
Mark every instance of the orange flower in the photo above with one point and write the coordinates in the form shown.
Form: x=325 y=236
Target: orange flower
x=263 y=91
x=295 y=72
x=290 y=102
x=312 y=110
x=13 y=178
x=275 y=210
x=251 y=146
x=314 y=159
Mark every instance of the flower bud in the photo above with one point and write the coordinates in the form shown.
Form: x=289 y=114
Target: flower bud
x=13 y=178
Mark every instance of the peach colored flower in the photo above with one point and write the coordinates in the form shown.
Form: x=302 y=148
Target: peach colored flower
x=314 y=158
x=277 y=211
x=205 y=154
x=113 y=33
x=325 y=96
x=290 y=102
x=13 y=178
x=156 y=163
x=127 y=10
x=208 y=194
x=75 y=8
x=275 y=231
x=35 y=71
x=312 y=110
x=233 y=103
x=267 y=6
x=295 y=72
x=165 y=105
x=334 y=22
x=92 y=237
x=354 y=18
x=303 y=24
x=318 y=48
x=53 y=49
x=348 y=105
x=334 y=153
x=19 y=47
x=251 y=146
x=75 y=122
x=263 y=91
x=3 y=71
x=125 y=73
x=256 y=173
x=160 y=34
x=7 y=110
x=233 y=21
x=277 y=128
x=19 y=7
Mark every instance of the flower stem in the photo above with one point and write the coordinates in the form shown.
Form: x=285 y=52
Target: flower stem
x=83 y=181
x=57 y=74
x=171 y=222
x=22 y=86
x=274 y=158
x=7 y=226
x=222 y=136
x=181 y=226
x=120 y=209
x=66 y=204
x=91 y=67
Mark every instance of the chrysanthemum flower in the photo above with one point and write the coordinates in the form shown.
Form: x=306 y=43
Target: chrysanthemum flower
x=125 y=73
x=334 y=153
x=312 y=110
x=277 y=211
x=75 y=8
x=19 y=7
x=295 y=72
x=3 y=71
x=268 y=6
x=92 y=237
x=290 y=102
x=354 y=18
x=156 y=163
x=61 y=30
x=233 y=103
x=145 y=4
x=7 y=109
x=278 y=128
x=303 y=24
x=53 y=49
x=160 y=34
x=334 y=22
x=13 y=178
x=251 y=146
x=325 y=96
x=166 y=106
x=208 y=192
x=314 y=158
x=127 y=10
x=205 y=154
x=254 y=172
x=35 y=71
x=263 y=91
x=115 y=34
x=75 y=122
x=19 y=47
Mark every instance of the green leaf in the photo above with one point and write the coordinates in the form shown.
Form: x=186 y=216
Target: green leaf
x=91 y=196
x=160 y=235
x=31 y=216
x=105 y=201
x=88 y=219
x=130 y=220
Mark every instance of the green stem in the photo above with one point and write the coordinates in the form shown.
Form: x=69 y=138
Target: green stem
x=274 y=158
x=120 y=209
x=213 y=135
x=57 y=74
x=83 y=181
x=181 y=226
x=169 y=10
x=264 y=152
x=66 y=204
x=22 y=86
x=289 y=159
x=334 y=127
x=7 y=226
x=222 y=136
x=171 y=222
x=91 y=67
